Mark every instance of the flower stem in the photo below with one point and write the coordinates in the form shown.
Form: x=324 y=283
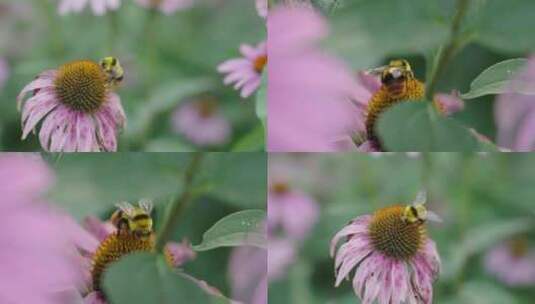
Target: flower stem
x=179 y=205
x=453 y=45
x=113 y=32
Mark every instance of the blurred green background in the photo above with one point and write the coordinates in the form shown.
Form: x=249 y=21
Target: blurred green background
x=224 y=183
x=168 y=60
x=482 y=198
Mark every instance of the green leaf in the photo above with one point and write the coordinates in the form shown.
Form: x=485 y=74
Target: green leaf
x=238 y=179
x=92 y=183
x=146 y=278
x=244 y=228
x=481 y=238
x=497 y=79
x=261 y=99
x=507 y=26
x=409 y=127
x=252 y=141
x=163 y=99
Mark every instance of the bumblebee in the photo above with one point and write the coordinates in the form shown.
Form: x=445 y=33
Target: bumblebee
x=417 y=213
x=397 y=84
x=113 y=70
x=134 y=233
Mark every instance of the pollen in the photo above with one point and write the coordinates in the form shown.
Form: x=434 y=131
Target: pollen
x=384 y=98
x=393 y=236
x=81 y=85
x=112 y=249
x=259 y=63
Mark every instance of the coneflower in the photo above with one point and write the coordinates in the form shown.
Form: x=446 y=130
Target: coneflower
x=77 y=108
x=394 y=260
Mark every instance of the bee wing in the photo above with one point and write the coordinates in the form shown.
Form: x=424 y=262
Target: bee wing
x=421 y=198
x=146 y=204
x=376 y=71
x=433 y=217
x=126 y=207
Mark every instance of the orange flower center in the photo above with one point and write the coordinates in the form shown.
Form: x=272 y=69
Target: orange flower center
x=206 y=108
x=81 y=85
x=280 y=188
x=518 y=247
x=259 y=63
x=393 y=236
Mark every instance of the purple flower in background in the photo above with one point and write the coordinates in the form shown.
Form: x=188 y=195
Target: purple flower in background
x=35 y=261
x=245 y=73
x=284 y=203
x=78 y=110
x=167 y=7
x=201 y=123
x=512 y=263
x=4 y=72
x=282 y=254
x=395 y=261
x=262 y=8
x=309 y=92
x=515 y=113
x=99 y=7
x=247 y=272
x=448 y=104
x=178 y=254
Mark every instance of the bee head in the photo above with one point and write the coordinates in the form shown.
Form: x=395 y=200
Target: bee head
x=134 y=219
x=395 y=71
x=113 y=69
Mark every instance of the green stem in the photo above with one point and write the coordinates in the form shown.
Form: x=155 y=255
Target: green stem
x=451 y=48
x=179 y=205
x=150 y=46
x=54 y=28
x=113 y=32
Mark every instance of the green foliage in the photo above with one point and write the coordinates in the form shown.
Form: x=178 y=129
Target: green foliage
x=244 y=228
x=414 y=126
x=150 y=280
x=497 y=80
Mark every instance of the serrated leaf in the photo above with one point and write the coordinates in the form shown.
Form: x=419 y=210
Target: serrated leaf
x=146 y=278
x=408 y=127
x=497 y=80
x=244 y=228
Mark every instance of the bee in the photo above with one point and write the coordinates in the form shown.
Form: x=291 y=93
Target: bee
x=398 y=84
x=417 y=213
x=113 y=70
x=134 y=233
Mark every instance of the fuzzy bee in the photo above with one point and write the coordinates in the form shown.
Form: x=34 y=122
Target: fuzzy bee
x=133 y=219
x=417 y=213
x=113 y=70
x=397 y=84
x=134 y=234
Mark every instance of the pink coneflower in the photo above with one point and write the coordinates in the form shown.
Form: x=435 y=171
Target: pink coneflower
x=4 y=72
x=247 y=272
x=246 y=72
x=35 y=255
x=77 y=108
x=284 y=203
x=515 y=113
x=201 y=123
x=262 y=8
x=167 y=7
x=512 y=263
x=96 y=232
x=394 y=259
x=99 y=7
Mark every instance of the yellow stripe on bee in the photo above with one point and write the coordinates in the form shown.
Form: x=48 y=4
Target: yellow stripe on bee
x=383 y=100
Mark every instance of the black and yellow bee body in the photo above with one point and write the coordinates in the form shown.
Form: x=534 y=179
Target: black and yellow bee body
x=398 y=85
x=134 y=233
x=113 y=70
